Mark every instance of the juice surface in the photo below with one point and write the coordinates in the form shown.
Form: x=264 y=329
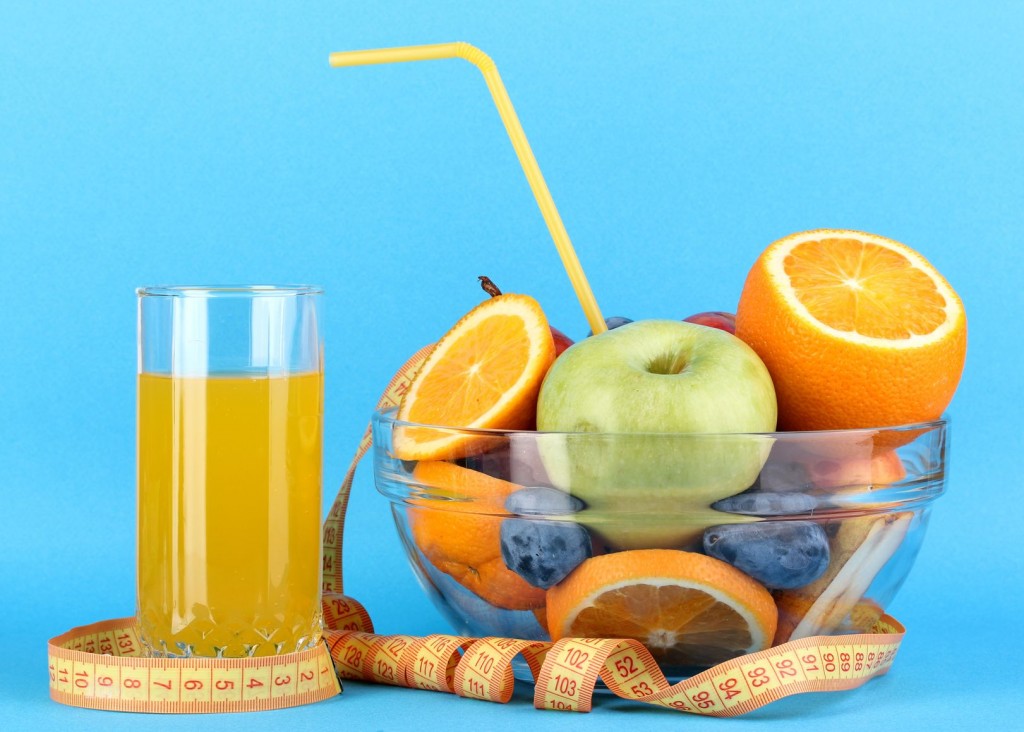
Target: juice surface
x=229 y=475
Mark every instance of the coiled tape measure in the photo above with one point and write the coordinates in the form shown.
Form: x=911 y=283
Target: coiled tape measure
x=101 y=666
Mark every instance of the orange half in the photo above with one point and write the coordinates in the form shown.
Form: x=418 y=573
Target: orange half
x=460 y=534
x=485 y=373
x=856 y=330
x=687 y=608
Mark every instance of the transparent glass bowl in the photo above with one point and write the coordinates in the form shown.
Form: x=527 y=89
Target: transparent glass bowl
x=854 y=502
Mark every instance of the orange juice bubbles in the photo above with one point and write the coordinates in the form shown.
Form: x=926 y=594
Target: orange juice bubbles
x=230 y=407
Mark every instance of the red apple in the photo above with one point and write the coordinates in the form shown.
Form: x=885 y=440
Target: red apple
x=715 y=319
x=562 y=341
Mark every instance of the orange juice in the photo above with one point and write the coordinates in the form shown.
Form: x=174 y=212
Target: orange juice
x=229 y=472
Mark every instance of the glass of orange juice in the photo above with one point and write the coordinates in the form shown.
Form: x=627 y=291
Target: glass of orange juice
x=230 y=409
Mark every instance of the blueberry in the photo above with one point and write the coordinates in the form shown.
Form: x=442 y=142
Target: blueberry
x=613 y=322
x=781 y=555
x=756 y=503
x=543 y=552
x=542 y=502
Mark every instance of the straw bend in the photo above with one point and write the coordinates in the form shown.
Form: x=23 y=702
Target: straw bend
x=516 y=136
x=475 y=56
x=459 y=49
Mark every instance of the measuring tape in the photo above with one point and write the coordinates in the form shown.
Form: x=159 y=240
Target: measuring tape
x=101 y=666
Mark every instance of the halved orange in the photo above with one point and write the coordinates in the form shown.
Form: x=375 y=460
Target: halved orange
x=687 y=608
x=485 y=373
x=460 y=533
x=856 y=330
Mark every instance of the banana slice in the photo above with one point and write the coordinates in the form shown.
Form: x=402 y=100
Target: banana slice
x=860 y=548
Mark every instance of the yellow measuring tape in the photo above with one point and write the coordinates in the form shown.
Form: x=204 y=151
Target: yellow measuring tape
x=100 y=666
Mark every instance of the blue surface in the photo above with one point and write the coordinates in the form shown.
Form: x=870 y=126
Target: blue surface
x=143 y=143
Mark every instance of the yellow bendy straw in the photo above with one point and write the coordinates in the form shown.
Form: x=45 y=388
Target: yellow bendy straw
x=515 y=134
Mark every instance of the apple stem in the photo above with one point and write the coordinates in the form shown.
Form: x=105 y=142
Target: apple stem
x=489 y=287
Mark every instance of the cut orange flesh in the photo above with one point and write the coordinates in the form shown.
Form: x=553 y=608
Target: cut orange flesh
x=856 y=330
x=484 y=373
x=687 y=608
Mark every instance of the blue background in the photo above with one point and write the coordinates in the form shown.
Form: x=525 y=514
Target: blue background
x=145 y=143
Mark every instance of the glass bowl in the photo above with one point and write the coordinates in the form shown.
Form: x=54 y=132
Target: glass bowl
x=829 y=523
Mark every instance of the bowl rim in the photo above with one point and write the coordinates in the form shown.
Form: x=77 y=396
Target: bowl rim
x=386 y=415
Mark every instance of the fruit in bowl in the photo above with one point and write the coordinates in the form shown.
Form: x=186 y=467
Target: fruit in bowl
x=540 y=550
x=857 y=330
x=657 y=480
x=687 y=608
x=714 y=319
x=512 y=552
x=484 y=373
x=464 y=539
x=633 y=385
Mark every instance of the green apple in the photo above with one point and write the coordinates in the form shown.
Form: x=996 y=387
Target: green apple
x=655 y=421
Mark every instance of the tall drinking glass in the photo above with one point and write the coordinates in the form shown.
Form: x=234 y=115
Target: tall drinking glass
x=230 y=405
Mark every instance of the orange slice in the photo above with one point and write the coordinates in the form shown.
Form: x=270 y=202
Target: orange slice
x=460 y=534
x=856 y=330
x=687 y=608
x=485 y=373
